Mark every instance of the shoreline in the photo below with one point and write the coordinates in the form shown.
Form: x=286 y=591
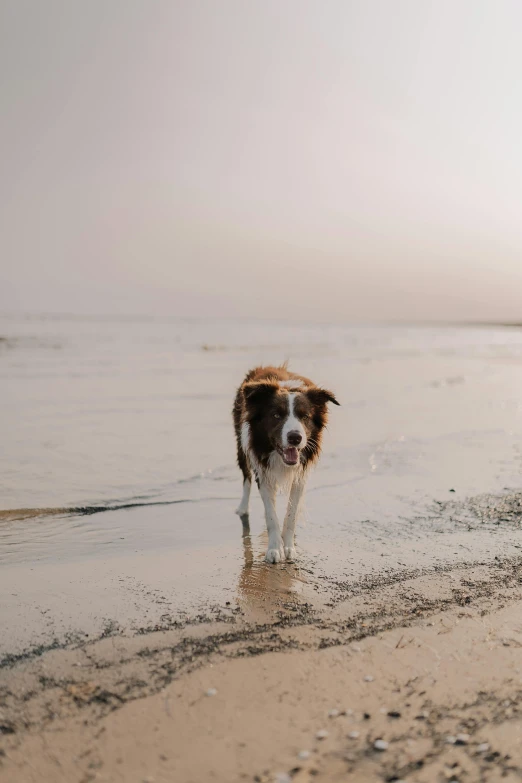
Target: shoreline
x=99 y=710
x=75 y=597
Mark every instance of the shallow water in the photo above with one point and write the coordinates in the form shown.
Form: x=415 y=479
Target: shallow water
x=117 y=474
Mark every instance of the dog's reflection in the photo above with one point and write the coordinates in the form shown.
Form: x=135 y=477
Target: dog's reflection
x=265 y=589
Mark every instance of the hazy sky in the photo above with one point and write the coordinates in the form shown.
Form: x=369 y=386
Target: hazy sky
x=305 y=159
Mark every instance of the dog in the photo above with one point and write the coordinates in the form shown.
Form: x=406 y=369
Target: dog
x=279 y=418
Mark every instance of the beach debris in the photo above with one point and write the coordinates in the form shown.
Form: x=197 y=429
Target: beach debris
x=368 y=678
x=333 y=713
x=211 y=692
x=452 y=773
x=303 y=755
x=483 y=747
x=82 y=691
x=322 y=734
x=353 y=735
x=282 y=777
x=380 y=744
x=394 y=714
x=450 y=740
x=462 y=739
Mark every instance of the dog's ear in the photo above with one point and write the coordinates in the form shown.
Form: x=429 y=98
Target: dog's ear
x=321 y=396
x=259 y=392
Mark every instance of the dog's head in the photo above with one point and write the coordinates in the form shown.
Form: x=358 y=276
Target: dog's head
x=287 y=420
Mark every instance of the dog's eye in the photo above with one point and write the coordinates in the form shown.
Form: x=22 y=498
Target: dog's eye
x=277 y=415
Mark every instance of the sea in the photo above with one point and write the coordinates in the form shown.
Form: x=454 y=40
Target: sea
x=118 y=472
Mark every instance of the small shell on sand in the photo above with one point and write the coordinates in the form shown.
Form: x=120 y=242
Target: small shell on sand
x=462 y=739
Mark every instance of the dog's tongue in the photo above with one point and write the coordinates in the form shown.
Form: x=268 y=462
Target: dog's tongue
x=291 y=455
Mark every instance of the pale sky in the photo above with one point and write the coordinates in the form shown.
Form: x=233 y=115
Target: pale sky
x=305 y=159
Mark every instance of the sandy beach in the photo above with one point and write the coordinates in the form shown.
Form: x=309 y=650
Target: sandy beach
x=218 y=222
x=144 y=638
x=416 y=678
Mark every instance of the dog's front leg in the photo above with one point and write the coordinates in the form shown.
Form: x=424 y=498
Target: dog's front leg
x=275 y=542
x=294 y=503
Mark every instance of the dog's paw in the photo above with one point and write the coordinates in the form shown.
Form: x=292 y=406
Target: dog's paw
x=290 y=554
x=274 y=556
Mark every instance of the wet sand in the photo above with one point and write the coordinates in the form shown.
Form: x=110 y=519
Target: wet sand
x=427 y=663
x=147 y=574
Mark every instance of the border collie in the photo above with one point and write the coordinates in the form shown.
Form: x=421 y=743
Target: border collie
x=279 y=419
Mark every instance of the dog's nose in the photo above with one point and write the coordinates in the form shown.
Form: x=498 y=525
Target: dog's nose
x=294 y=438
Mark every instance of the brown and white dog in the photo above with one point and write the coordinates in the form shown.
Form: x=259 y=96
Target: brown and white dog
x=279 y=418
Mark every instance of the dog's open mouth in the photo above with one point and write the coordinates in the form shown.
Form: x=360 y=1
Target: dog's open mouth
x=290 y=455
